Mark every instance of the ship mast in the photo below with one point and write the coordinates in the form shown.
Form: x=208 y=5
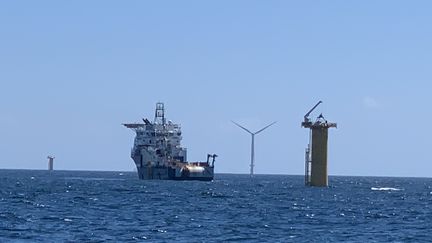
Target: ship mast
x=160 y=114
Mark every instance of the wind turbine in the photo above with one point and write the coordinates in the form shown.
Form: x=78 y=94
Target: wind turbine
x=252 y=164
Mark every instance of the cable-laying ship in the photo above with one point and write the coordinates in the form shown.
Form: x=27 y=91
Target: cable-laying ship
x=158 y=154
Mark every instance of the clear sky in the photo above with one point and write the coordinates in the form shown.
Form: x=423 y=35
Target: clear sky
x=71 y=72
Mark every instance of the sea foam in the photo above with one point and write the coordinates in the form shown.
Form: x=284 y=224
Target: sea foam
x=385 y=189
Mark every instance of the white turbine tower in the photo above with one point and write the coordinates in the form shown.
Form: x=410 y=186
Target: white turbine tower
x=252 y=164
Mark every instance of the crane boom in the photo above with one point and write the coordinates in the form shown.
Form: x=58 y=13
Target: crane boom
x=306 y=117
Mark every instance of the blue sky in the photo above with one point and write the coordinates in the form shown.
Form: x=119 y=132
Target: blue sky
x=71 y=72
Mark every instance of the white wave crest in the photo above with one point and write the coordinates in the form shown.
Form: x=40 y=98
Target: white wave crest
x=385 y=189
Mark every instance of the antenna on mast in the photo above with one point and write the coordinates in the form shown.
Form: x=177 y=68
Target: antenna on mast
x=252 y=164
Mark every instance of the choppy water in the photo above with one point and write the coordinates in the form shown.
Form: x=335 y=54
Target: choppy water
x=38 y=206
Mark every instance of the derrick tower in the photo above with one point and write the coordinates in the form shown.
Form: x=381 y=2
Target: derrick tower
x=316 y=173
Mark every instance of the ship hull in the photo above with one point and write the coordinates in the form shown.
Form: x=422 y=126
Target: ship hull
x=178 y=174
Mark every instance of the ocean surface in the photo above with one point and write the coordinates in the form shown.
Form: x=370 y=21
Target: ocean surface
x=75 y=206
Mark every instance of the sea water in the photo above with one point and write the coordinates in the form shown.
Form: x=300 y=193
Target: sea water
x=72 y=206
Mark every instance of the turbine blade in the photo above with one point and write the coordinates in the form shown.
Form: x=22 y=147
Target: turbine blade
x=242 y=127
x=265 y=128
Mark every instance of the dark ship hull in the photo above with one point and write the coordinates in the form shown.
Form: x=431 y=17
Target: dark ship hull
x=201 y=173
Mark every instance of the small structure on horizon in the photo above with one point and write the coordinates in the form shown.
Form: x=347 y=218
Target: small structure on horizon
x=50 y=162
x=316 y=173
